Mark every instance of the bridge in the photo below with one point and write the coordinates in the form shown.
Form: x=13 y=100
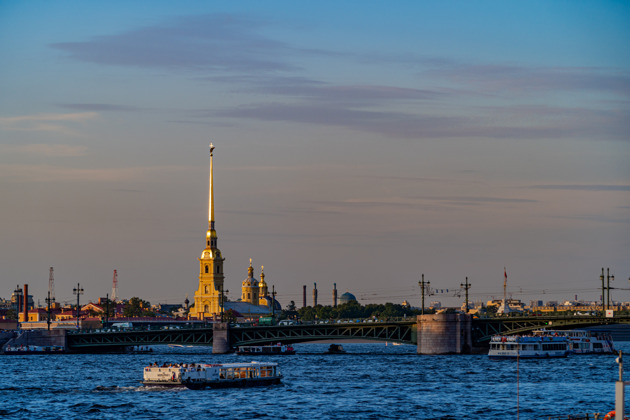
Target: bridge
x=400 y=331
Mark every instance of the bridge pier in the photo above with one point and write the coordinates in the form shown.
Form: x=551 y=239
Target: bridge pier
x=221 y=338
x=444 y=334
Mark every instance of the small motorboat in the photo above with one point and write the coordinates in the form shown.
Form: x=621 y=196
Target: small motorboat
x=278 y=349
x=336 y=349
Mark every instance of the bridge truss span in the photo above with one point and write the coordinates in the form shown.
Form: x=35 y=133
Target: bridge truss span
x=104 y=340
x=392 y=332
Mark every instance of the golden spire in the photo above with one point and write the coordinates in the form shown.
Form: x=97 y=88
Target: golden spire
x=250 y=270
x=211 y=194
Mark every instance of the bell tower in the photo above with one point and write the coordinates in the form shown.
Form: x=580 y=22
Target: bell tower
x=208 y=296
x=250 y=287
x=262 y=288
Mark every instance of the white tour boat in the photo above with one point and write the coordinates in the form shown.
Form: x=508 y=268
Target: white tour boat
x=199 y=376
x=528 y=346
x=584 y=341
x=21 y=349
x=276 y=349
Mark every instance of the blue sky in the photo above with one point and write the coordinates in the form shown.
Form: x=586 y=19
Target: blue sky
x=358 y=143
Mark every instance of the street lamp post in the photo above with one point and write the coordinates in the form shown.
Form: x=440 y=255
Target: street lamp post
x=466 y=286
x=78 y=291
x=423 y=285
x=273 y=301
x=106 y=310
x=603 y=295
x=608 y=277
x=49 y=301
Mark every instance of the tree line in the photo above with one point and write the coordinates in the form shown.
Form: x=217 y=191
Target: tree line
x=349 y=310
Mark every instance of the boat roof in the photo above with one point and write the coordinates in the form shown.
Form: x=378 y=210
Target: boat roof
x=241 y=364
x=530 y=338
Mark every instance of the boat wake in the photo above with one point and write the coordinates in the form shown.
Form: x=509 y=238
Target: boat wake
x=114 y=388
x=153 y=388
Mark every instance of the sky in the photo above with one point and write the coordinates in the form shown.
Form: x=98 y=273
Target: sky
x=358 y=143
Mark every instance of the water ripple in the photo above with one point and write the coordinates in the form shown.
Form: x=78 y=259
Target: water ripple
x=371 y=382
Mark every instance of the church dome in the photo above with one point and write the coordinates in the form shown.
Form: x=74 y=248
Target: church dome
x=250 y=281
x=347 y=297
x=276 y=304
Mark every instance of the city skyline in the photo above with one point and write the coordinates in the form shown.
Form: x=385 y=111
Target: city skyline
x=357 y=144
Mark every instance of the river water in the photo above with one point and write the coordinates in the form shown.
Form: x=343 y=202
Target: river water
x=372 y=381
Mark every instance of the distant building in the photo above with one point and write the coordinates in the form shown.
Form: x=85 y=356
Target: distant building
x=347 y=297
x=168 y=308
x=507 y=305
x=93 y=308
x=255 y=300
x=6 y=304
x=210 y=298
x=250 y=289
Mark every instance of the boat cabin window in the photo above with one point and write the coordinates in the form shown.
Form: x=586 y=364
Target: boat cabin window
x=554 y=346
x=266 y=371
x=226 y=373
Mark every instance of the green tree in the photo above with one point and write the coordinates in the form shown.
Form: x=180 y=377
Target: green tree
x=137 y=307
x=290 y=311
x=307 y=313
x=352 y=309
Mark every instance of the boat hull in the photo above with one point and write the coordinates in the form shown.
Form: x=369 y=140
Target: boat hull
x=237 y=383
x=170 y=384
x=252 y=353
x=529 y=356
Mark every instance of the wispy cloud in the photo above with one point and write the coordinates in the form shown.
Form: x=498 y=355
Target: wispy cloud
x=352 y=94
x=511 y=78
x=469 y=200
x=49 y=150
x=45 y=122
x=99 y=107
x=217 y=42
x=235 y=50
x=583 y=187
x=53 y=173
x=428 y=126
